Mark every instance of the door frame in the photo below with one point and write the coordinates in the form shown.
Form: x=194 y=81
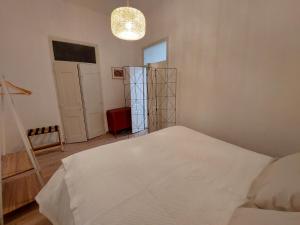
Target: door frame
x=56 y=38
x=166 y=39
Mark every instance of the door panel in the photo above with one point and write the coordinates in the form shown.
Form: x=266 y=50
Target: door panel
x=70 y=102
x=92 y=99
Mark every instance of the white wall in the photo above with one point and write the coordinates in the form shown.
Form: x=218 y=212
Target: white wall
x=239 y=70
x=25 y=55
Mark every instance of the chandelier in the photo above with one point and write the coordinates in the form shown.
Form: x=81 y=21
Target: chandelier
x=128 y=23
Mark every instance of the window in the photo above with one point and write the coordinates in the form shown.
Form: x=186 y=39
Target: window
x=64 y=51
x=155 y=53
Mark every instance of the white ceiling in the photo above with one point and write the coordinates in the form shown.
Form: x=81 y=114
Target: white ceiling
x=106 y=6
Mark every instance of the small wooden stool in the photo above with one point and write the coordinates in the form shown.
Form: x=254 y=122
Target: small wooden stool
x=45 y=130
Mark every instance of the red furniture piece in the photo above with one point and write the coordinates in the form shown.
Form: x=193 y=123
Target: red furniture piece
x=118 y=119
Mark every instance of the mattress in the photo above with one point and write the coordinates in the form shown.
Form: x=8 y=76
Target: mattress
x=174 y=176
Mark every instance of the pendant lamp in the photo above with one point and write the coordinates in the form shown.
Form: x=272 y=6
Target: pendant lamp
x=128 y=23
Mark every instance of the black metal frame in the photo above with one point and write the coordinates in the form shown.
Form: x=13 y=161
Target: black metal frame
x=161 y=85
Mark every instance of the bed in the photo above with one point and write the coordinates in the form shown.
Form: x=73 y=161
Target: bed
x=174 y=176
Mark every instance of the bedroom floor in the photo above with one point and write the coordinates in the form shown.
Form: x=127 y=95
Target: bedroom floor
x=49 y=162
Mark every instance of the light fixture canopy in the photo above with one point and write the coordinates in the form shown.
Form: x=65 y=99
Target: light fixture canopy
x=128 y=23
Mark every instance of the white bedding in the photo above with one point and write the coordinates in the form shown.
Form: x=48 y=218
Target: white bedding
x=175 y=176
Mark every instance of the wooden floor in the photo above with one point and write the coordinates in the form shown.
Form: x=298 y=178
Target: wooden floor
x=49 y=162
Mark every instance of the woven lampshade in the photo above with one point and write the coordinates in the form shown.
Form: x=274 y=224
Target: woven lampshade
x=128 y=23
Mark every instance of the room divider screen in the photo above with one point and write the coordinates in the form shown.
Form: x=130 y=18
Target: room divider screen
x=151 y=94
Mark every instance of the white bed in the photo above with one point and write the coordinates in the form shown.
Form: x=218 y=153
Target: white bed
x=175 y=176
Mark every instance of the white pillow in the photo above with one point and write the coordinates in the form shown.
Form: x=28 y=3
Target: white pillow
x=253 y=216
x=278 y=187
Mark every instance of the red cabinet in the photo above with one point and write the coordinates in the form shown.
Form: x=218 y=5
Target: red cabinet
x=118 y=119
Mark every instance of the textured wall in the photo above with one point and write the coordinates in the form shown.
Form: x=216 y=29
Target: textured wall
x=239 y=68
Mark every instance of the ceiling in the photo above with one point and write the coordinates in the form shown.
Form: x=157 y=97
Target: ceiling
x=106 y=6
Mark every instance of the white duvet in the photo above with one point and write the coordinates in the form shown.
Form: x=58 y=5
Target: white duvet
x=175 y=176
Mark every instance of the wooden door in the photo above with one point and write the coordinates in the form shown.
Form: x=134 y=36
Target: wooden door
x=70 y=101
x=92 y=99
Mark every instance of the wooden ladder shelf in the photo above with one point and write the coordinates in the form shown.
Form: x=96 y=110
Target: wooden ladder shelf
x=19 y=182
x=21 y=176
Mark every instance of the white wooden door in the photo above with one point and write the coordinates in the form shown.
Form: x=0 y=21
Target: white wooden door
x=70 y=101
x=92 y=99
